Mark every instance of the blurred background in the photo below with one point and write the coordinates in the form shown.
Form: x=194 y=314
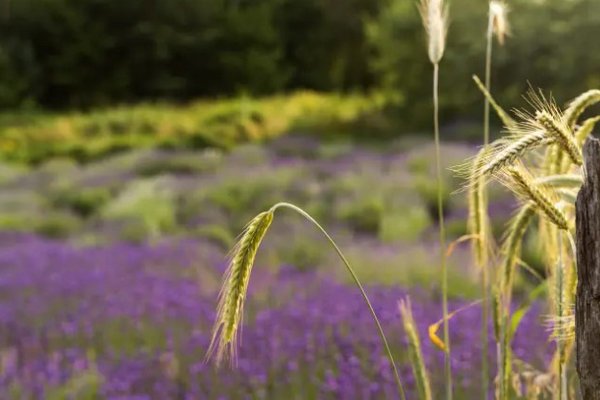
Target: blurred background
x=137 y=138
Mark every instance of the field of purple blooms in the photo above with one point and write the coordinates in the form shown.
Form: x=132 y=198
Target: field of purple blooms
x=109 y=274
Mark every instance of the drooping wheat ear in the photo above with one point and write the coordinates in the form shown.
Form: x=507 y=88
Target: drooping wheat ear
x=507 y=150
x=506 y=119
x=233 y=293
x=230 y=309
x=540 y=195
x=562 y=135
x=579 y=105
x=434 y=14
x=499 y=17
x=586 y=128
x=416 y=354
x=478 y=223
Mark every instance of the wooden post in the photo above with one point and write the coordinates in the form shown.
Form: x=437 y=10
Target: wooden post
x=587 y=305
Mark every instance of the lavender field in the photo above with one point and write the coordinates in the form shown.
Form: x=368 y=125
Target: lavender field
x=299 y=200
x=109 y=274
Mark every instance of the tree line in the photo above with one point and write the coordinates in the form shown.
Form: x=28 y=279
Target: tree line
x=87 y=53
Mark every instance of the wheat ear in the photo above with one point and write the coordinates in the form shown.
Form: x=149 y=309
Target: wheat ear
x=416 y=354
x=233 y=292
x=230 y=308
x=512 y=148
x=581 y=133
x=561 y=134
x=499 y=20
x=540 y=195
x=579 y=105
x=434 y=14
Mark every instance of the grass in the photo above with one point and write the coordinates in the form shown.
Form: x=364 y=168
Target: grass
x=35 y=137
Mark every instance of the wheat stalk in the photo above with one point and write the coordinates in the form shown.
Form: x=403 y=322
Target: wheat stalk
x=498 y=25
x=511 y=253
x=223 y=344
x=416 y=354
x=561 y=349
x=506 y=119
x=478 y=219
x=434 y=14
x=512 y=248
x=478 y=225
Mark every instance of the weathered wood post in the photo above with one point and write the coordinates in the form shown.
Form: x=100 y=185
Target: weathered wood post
x=587 y=305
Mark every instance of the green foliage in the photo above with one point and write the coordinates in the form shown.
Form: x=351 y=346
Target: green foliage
x=33 y=138
x=180 y=164
x=413 y=266
x=216 y=233
x=84 y=385
x=18 y=222
x=427 y=190
x=146 y=206
x=402 y=67
x=363 y=215
x=82 y=201
x=303 y=253
x=70 y=52
x=406 y=223
x=58 y=225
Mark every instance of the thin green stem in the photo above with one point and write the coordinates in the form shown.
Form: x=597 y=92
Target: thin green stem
x=484 y=330
x=440 y=206
x=484 y=268
x=358 y=284
x=503 y=355
x=488 y=80
x=562 y=371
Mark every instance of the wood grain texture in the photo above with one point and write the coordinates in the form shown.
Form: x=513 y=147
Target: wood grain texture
x=587 y=306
